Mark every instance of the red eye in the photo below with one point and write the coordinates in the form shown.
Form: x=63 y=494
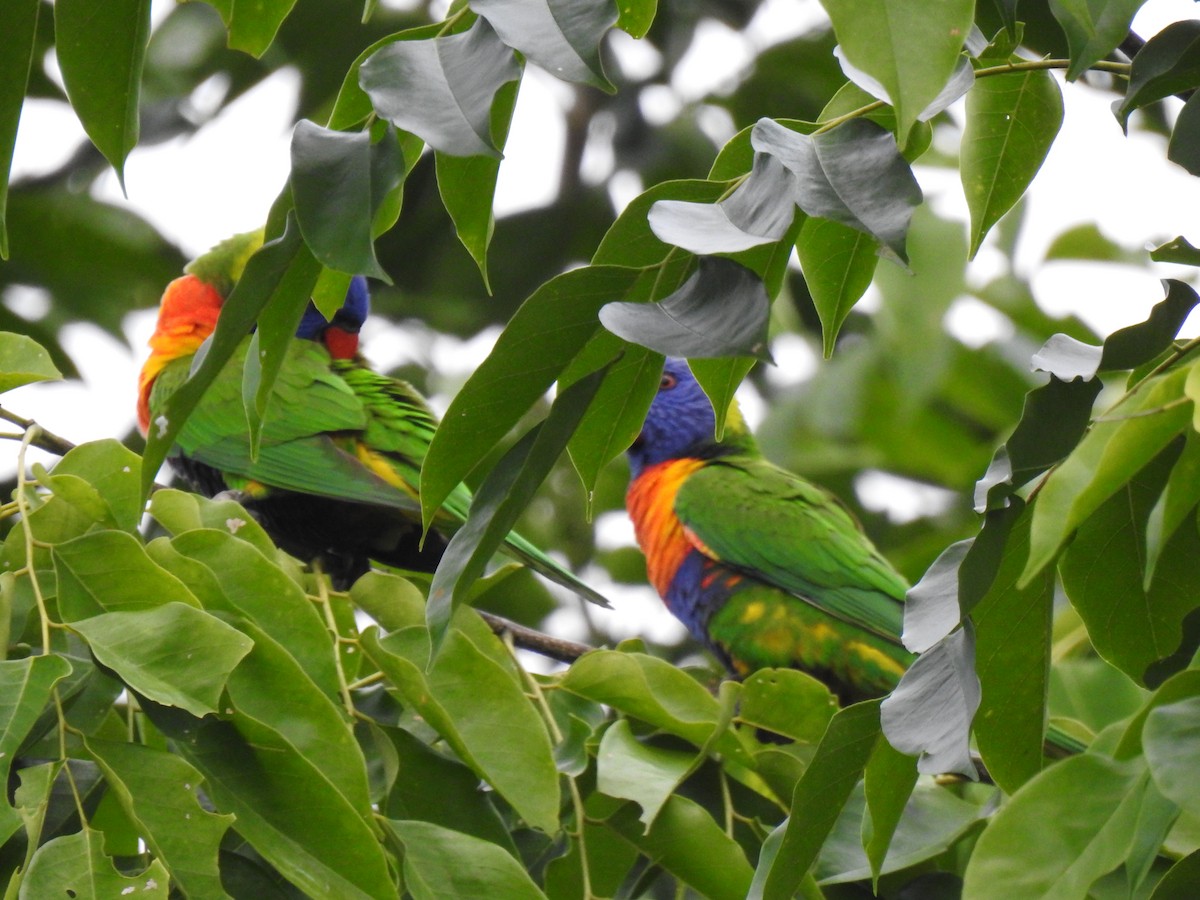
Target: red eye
x=668 y=381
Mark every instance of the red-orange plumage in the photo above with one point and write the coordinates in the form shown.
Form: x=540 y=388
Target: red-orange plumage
x=186 y=316
x=651 y=505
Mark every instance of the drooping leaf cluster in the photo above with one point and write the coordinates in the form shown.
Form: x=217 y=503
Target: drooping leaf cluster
x=188 y=710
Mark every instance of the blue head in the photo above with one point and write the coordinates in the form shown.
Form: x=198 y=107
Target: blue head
x=680 y=421
x=349 y=318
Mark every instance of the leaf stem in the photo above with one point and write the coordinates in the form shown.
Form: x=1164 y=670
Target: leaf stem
x=331 y=624
x=22 y=501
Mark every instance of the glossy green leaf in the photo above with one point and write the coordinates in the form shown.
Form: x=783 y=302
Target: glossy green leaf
x=441 y=863
x=909 y=47
x=180 y=511
x=838 y=264
x=175 y=654
x=278 y=272
x=1104 y=460
x=1132 y=627
x=551 y=327
x=722 y=310
x=853 y=174
x=1171 y=738
x=109 y=571
x=1093 y=803
x=929 y=713
x=819 y=797
x=1012 y=658
x=628 y=769
x=252 y=27
x=637 y=16
x=442 y=89
x=23 y=361
x=888 y=781
x=157 y=790
x=1094 y=28
x=101 y=51
x=339 y=180
x=20 y=17
x=561 y=36
x=1012 y=121
x=353 y=106
x=74 y=865
x=479 y=710
x=787 y=702
x=1182 y=148
x=500 y=500
x=759 y=211
x=112 y=469
x=467 y=184
x=1169 y=63
x=686 y=842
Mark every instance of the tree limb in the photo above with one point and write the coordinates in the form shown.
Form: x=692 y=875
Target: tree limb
x=536 y=641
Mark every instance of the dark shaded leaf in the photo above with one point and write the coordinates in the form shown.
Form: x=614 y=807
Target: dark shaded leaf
x=819 y=797
x=1012 y=121
x=888 y=781
x=1175 y=504
x=722 y=310
x=1181 y=879
x=759 y=211
x=442 y=89
x=20 y=28
x=352 y=105
x=1168 y=64
x=561 y=36
x=501 y=498
x=1093 y=29
x=101 y=50
x=1185 y=137
x=339 y=180
x=1177 y=250
x=1134 y=345
x=853 y=174
x=929 y=713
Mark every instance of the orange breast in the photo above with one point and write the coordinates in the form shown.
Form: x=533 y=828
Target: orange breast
x=651 y=504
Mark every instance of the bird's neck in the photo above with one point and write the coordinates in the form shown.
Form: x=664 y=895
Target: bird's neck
x=651 y=504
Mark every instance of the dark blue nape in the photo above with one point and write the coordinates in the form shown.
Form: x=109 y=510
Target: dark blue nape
x=350 y=317
x=680 y=420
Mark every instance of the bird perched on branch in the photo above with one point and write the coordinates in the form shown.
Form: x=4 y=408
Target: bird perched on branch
x=337 y=471
x=764 y=568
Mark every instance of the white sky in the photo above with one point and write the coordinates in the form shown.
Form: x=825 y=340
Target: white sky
x=198 y=190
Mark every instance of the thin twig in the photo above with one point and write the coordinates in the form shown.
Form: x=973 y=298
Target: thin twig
x=539 y=642
x=42 y=439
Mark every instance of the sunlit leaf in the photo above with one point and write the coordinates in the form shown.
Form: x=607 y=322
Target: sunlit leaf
x=441 y=863
x=74 y=865
x=23 y=361
x=441 y=89
x=628 y=769
x=787 y=702
x=101 y=51
x=561 y=36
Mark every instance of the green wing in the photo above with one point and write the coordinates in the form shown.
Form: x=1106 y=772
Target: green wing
x=754 y=516
x=309 y=433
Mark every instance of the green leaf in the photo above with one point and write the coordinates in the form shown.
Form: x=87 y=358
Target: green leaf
x=1094 y=28
x=1175 y=504
x=1105 y=459
x=441 y=863
x=535 y=347
x=157 y=790
x=174 y=654
x=759 y=211
x=180 y=511
x=1169 y=63
x=252 y=26
x=1012 y=658
x=561 y=36
x=818 y=799
x=501 y=498
x=720 y=379
x=467 y=184
x=838 y=264
x=353 y=106
x=273 y=274
x=853 y=174
x=787 y=702
x=480 y=711
x=1012 y=121
x=109 y=571
x=112 y=469
x=686 y=842
x=339 y=180
x=101 y=50
x=442 y=89
x=637 y=16
x=630 y=241
x=22 y=359
x=1135 y=345
x=910 y=47
x=888 y=781
x=20 y=26
x=722 y=310
x=1093 y=804
x=75 y=866
x=1181 y=149
x=1171 y=738
x=1176 y=250
x=628 y=769
x=25 y=687
x=1181 y=879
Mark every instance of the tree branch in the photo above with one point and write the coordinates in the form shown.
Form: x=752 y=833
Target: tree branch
x=536 y=641
x=43 y=440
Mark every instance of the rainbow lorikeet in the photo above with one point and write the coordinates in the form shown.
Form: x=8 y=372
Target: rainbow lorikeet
x=339 y=462
x=764 y=568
